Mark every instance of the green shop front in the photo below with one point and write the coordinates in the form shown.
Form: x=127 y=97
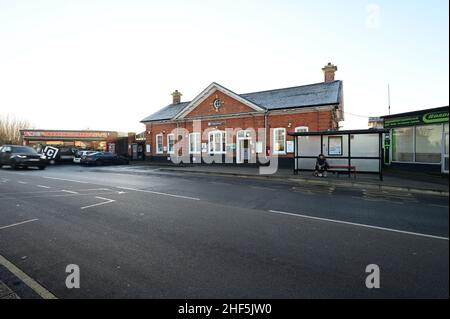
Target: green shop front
x=418 y=140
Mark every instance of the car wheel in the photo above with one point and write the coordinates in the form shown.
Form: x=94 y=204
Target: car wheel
x=41 y=167
x=99 y=163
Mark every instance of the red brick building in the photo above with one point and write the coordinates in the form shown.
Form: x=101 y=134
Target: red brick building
x=243 y=127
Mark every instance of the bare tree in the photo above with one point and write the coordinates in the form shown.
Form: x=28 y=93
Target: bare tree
x=10 y=127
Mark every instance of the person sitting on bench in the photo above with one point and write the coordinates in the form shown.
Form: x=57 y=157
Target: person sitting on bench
x=321 y=166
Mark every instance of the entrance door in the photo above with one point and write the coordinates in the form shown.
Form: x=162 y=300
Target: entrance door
x=134 y=148
x=246 y=150
x=445 y=150
x=243 y=147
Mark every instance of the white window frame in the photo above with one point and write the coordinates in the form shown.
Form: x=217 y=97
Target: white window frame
x=159 y=151
x=274 y=142
x=300 y=129
x=197 y=143
x=223 y=139
x=168 y=143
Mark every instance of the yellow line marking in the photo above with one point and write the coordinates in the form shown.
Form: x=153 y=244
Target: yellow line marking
x=30 y=282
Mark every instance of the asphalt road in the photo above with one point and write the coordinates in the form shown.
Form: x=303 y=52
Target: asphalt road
x=163 y=235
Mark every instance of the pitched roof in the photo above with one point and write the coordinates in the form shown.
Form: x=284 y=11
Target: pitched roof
x=166 y=113
x=325 y=93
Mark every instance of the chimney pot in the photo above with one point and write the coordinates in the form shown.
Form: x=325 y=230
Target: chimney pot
x=329 y=72
x=176 y=97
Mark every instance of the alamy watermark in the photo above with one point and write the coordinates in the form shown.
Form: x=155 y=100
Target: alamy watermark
x=373 y=20
x=225 y=146
x=73 y=279
x=373 y=279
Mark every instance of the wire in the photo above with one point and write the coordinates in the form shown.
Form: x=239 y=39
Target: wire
x=358 y=115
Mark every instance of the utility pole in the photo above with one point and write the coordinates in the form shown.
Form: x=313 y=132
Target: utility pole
x=389 y=99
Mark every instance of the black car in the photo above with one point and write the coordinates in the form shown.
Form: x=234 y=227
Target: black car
x=103 y=158
x=21 y=156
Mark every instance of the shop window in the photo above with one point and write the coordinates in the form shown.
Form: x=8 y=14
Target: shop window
x=159 y=144
x=170 y=143
x=428 y=143
x=217 y=142
x=279 y=141
x=194 y=143
x=403 y=144
x=446 y=138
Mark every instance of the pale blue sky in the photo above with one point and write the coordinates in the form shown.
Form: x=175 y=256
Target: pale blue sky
x=108 y=64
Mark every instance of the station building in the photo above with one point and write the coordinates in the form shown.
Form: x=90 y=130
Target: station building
x=314 y=107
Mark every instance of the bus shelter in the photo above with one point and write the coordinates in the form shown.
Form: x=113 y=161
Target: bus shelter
x=352 y=151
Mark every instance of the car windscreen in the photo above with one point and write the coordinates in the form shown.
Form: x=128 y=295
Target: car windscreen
x=23 y=150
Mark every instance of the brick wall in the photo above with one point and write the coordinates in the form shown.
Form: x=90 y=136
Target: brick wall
x=315 y=121
x=229 y=105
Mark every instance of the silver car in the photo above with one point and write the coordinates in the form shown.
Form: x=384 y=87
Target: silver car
x=79 y=154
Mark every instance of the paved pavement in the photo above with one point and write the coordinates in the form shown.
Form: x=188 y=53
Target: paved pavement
x=174 y=235
x=411 y=182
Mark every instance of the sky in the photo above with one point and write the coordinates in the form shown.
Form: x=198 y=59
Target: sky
x=107 y=64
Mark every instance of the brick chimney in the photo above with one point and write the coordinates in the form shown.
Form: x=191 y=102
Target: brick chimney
x=176 y=97
x=329 y=71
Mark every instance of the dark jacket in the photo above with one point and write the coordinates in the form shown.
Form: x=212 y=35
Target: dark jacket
x=322 y=162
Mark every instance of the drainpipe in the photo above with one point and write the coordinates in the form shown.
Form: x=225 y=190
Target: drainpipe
x=318 y=121
x=266 y=114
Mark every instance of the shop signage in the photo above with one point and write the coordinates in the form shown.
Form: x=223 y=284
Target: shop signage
x=435 y=117
x=216 y=123
x=63 y=134
x=427 y=118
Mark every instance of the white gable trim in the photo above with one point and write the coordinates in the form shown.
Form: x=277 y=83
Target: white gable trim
x=207 y=92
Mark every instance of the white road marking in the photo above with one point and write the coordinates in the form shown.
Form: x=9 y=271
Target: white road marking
x=70 y=192
x=56 y=191
x=360 y=225
x=107 y=201
x=17 y=224
x=20 y=182
x=67 y=180
x=158 y=193
x=48 y=194
x=43 y=186
x=40 y=290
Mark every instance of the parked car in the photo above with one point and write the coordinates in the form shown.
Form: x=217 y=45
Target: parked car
x=104 y=158
x=21 y=156
x=79 y=154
